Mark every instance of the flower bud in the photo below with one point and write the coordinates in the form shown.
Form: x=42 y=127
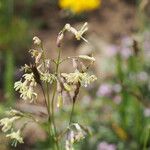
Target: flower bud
x=68 y=27
x=59 y=88
x=67 y=87
x=59 y=100
x=59 y=39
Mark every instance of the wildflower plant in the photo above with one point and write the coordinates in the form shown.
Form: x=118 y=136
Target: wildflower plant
x=39 y=74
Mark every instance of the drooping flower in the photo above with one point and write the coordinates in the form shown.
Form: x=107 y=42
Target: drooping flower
x=7 y=123
x=29 y=94
x=16 y=136
x=48 y=77
x=78 y=33
x=13 y=112
x=84 y=78
x=26 y=88
x=75 y=134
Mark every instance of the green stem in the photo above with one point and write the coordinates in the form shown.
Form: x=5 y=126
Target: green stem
x=53 y=98
x=8 y=76
x=51 y=105
x=49 y=116
x=72 y=111
x=47 y=99
x=146 y=139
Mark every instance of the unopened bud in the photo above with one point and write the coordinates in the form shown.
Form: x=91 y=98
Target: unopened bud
x=59 y=88
x=59 y=39
x=59 y=100
x=67 y=87
x=68 y=27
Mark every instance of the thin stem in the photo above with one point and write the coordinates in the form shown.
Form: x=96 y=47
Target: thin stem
x=53 y=98
x=58 y=61
x=72 y=111
x=146 y=139
x=74 y=101
x=49 y=115
x=47 y=101
x=43 y=56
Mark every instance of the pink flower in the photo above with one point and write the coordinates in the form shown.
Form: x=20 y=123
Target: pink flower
x=126 y=52
x=105 y=89
x=112 y=50
x=147 y=112
x=106 y=146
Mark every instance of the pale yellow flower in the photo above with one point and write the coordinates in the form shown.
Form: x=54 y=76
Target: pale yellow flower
x=36 y=40
x=16 y=136
x=84 y=78
x=7 y=123
x=78 y=33
x=85 y=57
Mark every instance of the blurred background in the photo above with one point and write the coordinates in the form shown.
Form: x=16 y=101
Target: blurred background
x=117 y=107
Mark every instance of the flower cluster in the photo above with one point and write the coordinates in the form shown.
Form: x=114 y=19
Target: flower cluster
x=26 y=87
x=84 y=78
x=7 y=123
x=48 y=77
x=78 y=7
x=16 y=136
x=8 y=128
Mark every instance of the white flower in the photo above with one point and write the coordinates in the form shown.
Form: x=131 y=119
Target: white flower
x=7 y=123
x=87 y=79
x=77 y=76
x=78 y=33
x=20 y=86
x=79 y=134
x=68 y=145
x=14 y=112
x=72 y=77
x=36 y=40
x=16 y=136
x=29 y=94
x=29 y=77
x=48 y=77
x=26 y=88
x=75 y=134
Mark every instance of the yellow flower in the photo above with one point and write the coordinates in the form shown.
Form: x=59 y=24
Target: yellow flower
x=79 y=6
